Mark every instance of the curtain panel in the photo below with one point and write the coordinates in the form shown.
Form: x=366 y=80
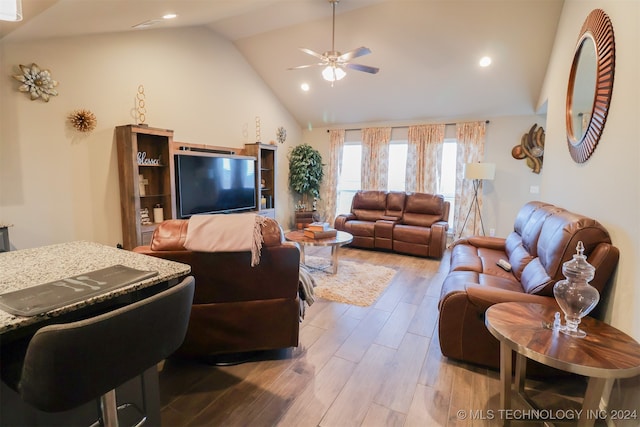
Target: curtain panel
x=470 y=149
x=375 y=158
x=334 y=168
x=424 y=158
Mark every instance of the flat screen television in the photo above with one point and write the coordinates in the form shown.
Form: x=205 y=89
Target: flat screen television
x=214 y=184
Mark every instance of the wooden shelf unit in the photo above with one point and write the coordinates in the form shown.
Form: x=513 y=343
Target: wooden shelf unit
x=156 y=144
x=266 y=167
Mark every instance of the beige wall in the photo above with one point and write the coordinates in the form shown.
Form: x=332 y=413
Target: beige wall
x=57 y=185
x=607 y=186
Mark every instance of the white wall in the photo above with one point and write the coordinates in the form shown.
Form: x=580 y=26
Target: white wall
x=504 y=196
x=57 y=185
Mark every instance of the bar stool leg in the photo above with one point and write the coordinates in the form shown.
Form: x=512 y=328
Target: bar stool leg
x=109 y=409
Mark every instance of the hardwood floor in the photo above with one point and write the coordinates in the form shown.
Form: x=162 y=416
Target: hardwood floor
x=354 y=366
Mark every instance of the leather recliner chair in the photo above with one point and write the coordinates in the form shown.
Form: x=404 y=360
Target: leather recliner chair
x=236 y=308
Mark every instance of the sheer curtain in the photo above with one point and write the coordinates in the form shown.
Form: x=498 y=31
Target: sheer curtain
x=336 y=141
x=470 y=149
x=424 y=158
x=375 y=158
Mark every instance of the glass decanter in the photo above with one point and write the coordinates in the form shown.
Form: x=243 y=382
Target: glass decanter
x=575 y=296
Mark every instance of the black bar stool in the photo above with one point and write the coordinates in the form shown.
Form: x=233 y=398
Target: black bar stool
x=67 y=365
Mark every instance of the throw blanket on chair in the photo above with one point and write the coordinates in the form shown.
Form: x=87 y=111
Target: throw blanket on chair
x=226 y=233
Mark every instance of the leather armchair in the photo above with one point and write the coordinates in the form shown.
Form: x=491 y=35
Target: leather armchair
x=236 y=307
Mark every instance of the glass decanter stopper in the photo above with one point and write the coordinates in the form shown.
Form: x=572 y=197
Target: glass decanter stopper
x=575 y=296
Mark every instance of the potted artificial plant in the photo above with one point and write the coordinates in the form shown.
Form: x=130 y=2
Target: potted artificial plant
x=305 y=172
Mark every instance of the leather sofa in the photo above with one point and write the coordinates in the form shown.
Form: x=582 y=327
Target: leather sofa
x=544 y=237
x=409 y=223
x=236 y=308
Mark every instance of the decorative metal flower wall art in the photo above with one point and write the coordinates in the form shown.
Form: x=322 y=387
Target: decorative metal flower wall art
x=83 y=120
x=36 y=82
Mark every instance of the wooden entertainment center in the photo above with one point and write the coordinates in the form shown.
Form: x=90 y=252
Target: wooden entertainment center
x=147 y=177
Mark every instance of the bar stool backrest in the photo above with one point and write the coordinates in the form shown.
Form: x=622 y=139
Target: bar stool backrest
x=70 y=364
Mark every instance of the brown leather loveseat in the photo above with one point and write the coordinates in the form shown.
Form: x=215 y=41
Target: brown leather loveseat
x=236 y=307
x=410 y=223
x=544 y=237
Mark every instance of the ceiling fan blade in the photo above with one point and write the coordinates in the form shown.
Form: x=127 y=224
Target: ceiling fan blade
x=361 y=51
x=312 y=53
x=365 y=68
x=299 y=67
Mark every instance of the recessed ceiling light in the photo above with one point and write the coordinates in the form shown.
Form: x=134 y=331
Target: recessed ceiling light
x=305 y=87
x=169 y=16
x=485 y=61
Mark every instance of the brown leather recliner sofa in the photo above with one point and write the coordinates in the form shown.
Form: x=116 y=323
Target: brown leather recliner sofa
x=236 y=308
x=544 y=237
x=409 y=223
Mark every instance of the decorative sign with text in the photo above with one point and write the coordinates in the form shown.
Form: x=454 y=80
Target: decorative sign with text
x=143 y=160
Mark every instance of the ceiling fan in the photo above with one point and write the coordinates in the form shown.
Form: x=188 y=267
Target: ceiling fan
x=335 y=62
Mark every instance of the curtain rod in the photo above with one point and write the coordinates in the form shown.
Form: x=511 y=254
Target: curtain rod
x=402 y=127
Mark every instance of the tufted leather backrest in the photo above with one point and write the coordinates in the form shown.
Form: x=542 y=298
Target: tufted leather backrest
x=369 y=205
x=423 y=209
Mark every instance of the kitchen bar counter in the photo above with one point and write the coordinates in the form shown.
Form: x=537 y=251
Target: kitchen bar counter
x=27 y=268
x=30 y=267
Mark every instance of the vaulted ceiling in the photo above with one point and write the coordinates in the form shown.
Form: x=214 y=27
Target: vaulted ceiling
x=427 y=50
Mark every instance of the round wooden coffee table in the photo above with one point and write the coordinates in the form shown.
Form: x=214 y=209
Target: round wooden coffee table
x=603 y=355
x=342 y=238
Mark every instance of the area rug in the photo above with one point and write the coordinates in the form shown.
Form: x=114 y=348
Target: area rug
x=356 y=283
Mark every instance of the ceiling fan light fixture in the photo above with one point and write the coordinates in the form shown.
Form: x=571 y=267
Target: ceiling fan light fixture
x=332 y=73
x=11 y=10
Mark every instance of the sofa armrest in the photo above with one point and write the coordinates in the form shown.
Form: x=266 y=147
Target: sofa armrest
x=342 y=219
x=438 y=242
x=497 y=243
x=484 y=297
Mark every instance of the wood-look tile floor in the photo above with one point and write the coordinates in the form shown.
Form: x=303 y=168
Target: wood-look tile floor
x=374 y=366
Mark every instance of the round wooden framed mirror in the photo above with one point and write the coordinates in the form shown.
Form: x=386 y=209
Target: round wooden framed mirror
x=590 y=85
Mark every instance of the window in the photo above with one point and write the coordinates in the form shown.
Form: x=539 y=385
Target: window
x=349 y=180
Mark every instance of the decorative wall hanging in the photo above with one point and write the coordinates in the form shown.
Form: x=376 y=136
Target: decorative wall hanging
x=36 y=82
x=531 y=148
x=141 y=109
x=82 y=120
x=281 y=135
x=590 y=85
x=258 y=129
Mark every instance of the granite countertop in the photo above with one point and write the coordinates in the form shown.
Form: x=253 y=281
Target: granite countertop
x=30 y=267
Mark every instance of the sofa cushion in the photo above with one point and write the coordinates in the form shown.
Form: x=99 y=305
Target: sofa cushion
x=395 y=204
x=517 y=255
x=360 y=228
x=423 y=209
x=535 y=279
x=412 y=234
x=369 y=205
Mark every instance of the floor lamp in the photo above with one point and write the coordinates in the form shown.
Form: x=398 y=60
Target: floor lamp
x=477 y=172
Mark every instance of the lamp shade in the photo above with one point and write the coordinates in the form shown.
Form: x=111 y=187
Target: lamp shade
x=10 y=10
x=480 y=171
x=332 y=73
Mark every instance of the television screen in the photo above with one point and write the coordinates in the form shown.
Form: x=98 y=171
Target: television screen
x=214 y=184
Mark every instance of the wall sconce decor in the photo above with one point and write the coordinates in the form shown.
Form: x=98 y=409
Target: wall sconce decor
x=36 y=82
x=531 y=148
